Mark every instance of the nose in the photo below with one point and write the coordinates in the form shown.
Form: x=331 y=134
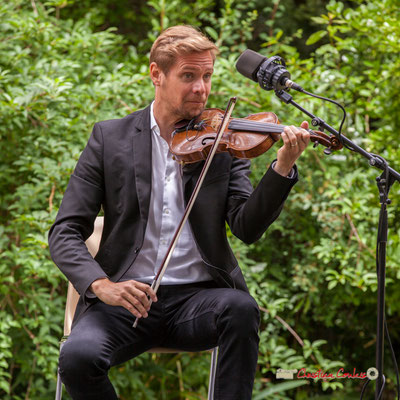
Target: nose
x=199 y=86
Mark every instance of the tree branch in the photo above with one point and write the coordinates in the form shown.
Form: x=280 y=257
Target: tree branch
x=290 y=329
x=53 y=190
x=35 y=11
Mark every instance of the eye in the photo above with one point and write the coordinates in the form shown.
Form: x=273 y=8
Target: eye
x=207 y=77
x=188 y=75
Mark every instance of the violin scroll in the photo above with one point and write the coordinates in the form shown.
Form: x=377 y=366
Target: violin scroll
x=329 y=141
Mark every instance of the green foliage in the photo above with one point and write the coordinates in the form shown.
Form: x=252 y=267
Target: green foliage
x=57 y=79
x=317 y=262
x=62 y=68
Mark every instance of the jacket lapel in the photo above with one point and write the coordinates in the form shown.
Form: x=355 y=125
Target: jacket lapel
x=142 y=162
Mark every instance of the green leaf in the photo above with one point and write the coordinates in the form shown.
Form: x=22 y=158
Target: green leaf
x=5 y=386
x=332 y=284
x=212 y=32
x=315 y=37
x=279 y=388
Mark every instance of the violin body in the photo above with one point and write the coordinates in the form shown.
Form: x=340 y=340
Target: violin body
x=193 y=145
x=244 y=138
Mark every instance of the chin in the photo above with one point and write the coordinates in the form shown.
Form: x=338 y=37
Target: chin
x=193 y=111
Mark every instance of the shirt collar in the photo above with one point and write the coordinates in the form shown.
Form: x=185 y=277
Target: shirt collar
x=153 y=123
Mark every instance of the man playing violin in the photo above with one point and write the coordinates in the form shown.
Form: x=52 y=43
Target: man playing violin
x=128 y=170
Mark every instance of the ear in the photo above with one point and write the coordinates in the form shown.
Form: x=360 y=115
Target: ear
x=155 y=74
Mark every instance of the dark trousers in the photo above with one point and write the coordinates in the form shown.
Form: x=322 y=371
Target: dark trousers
x=191 y=317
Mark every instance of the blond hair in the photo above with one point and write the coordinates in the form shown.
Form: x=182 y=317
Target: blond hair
x=178 y=40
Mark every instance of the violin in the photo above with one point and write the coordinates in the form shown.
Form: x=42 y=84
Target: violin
x=244 y=138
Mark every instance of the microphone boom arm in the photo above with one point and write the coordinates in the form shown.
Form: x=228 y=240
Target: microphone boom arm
x=316 y=121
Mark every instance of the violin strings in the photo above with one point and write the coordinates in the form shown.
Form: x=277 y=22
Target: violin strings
x=260 y=126
x=250 y=124
x=240 y=124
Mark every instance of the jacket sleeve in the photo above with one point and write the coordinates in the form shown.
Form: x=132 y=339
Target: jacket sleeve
x=75 y=219
x=250 y=212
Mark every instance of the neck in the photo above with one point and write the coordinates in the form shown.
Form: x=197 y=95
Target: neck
x=165 y=121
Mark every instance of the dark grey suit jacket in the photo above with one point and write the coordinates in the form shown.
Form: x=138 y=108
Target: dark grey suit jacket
x=114 y=171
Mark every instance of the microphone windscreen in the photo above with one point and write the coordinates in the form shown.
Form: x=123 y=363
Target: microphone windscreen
x=249 y=63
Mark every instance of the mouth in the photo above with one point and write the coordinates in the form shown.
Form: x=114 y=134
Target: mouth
x=196 y=101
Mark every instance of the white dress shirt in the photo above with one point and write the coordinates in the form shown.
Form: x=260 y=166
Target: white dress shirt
x=165 y=212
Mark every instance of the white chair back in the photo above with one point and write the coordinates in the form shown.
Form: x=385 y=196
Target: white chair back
x=93 y=244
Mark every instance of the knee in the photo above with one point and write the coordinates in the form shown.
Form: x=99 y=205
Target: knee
x=81 y=360
x=243 y=312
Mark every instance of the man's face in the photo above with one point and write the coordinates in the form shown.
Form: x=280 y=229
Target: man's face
x=184 y=90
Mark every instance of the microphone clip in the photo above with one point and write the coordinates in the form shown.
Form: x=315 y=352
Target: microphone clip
x=273 y=74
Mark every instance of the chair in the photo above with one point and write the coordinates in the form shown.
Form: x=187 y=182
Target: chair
x=93 y=244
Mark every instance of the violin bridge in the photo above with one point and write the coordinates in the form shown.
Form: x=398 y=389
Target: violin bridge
x=216 y=122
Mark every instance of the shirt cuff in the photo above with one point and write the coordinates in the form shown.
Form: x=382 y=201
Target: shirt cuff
x=291 y=173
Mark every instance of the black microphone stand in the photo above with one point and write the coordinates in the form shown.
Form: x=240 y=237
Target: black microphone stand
x=384 y=182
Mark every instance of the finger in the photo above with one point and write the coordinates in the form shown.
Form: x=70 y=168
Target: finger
x=128 y=306
x=137 y=291
x=285 y=138
x=142 y=297
x=292 y=137
x=147 y=289
x=137 y=304
x=304 y=125
x=302 y=137
x=136 y=297
x=305 y=137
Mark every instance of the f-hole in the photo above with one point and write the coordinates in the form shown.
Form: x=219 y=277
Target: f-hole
x=206 y=139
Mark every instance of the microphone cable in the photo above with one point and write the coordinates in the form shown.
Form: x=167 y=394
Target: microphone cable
x=338 y=105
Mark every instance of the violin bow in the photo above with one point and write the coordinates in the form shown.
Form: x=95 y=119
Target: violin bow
x=225 y=120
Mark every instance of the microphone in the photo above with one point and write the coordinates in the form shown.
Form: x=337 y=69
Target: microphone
x=270 y=73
